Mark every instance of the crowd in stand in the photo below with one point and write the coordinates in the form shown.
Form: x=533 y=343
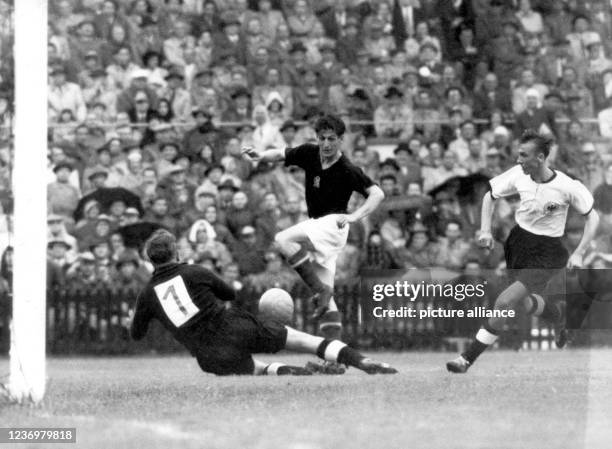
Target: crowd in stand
x=157 y=97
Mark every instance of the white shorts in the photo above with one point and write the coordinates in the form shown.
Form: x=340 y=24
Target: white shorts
x=326 y=238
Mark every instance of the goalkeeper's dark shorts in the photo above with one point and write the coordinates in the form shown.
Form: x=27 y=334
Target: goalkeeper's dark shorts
x=224 y=346
x=533 y=259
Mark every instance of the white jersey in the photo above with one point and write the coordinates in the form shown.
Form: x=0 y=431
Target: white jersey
x=543 y=207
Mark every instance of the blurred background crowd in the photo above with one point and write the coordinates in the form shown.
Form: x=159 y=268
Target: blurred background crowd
x=151 y=101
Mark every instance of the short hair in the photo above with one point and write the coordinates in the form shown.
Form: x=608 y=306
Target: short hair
x=330 y=122
x=542 y=143
x=161 y=247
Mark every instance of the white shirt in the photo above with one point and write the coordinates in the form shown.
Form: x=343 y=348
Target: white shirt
x=544 y=206
x=605 y=122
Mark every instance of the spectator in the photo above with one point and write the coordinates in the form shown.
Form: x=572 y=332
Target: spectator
x=419 y=251
x=301 y=20
x=203 y=237
x=83 y=42
x=393 y=118
x=240 y=109
x=426 y=117
x=247 y=252
x=63 y=95
x=350 y=43
x=275 y=275
x=269 y=18
x=159 y=213
x=535 y=116
x=230 y=42
x=490 y=98
x=266 y=221
x=239 y=215
x=266 y=135
x=571 y=89
x=475 y=162
x=519 y=94
x=507 y=53
x=530 y=20
x=580 y=37
x=452 y=248
x=605 y=120
x=375 y=42
x=433 y=177
x=123 y=70
x=460 y=146
x=603 y=200
x=62 y=197
x=177 y=95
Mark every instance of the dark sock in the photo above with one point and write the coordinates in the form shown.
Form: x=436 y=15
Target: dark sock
x=302 y=264
x=322 y=347
x=474 y=350
x=477 y=347
x=349 y=356
x=344 y=354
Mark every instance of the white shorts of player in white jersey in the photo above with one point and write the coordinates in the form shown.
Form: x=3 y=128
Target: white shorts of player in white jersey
x=326 y=238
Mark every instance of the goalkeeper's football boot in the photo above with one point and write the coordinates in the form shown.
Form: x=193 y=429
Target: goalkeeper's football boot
x=288 y=370
x=325 y=367
x=374 y=367
x=458 y=365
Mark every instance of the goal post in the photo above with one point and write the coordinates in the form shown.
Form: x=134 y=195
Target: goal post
x=27 y=349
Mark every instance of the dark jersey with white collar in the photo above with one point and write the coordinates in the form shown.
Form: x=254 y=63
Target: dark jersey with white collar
x=327 y=191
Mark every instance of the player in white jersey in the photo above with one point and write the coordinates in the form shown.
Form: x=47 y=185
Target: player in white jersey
x=533 y=250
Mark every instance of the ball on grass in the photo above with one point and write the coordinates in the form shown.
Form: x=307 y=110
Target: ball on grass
x=276 y=304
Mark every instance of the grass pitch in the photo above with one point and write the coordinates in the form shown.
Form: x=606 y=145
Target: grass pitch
x=531 y=399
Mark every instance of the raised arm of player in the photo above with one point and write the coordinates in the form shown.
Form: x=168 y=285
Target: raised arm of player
x=373 y=200
x=485 y=238
x=272 y=155
x=590 y=227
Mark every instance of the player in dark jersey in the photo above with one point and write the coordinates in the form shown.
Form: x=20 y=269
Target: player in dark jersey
x=189 y=301
x=330 y=181
x=534 y=252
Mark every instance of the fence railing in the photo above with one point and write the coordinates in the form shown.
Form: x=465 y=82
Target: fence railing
x=95 y=321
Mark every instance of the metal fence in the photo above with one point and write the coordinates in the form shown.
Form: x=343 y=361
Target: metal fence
x=96 y=322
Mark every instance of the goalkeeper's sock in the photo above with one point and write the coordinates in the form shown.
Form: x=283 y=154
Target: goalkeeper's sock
x=336 y=351
x=485 y=337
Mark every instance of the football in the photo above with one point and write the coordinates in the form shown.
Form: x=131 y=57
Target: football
x=276 y=304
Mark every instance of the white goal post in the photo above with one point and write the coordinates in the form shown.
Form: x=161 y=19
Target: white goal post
x=27 y=351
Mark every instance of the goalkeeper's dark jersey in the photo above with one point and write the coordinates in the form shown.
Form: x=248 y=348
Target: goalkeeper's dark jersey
x=182 y=297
